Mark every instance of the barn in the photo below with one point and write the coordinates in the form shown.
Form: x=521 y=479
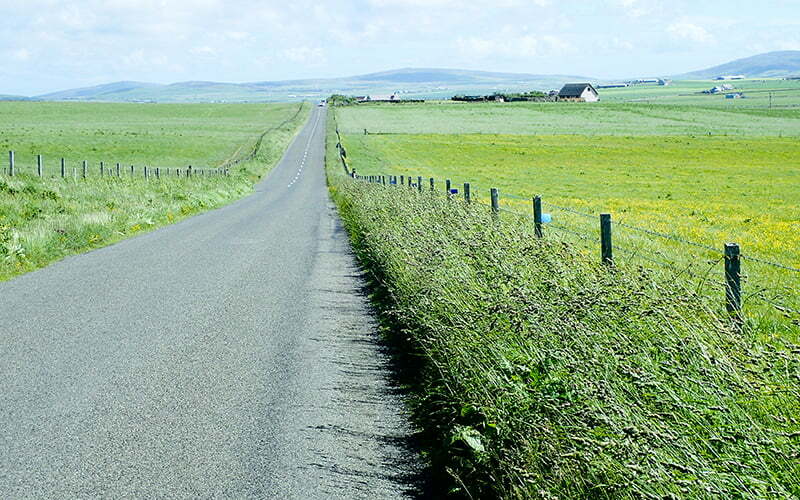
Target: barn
x=579 y=92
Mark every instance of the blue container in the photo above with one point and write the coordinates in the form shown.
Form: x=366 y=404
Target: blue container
x=547 y=218
x=454 y=191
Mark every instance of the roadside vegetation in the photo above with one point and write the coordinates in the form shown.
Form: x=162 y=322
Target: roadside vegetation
x=538 y=372
x=45 y=219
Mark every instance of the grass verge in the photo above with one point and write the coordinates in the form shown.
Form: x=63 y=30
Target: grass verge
x=45 y=219
x=544 y=374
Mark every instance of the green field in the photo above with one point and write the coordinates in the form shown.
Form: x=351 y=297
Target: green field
x=703 y=174
x=785 y=94
x=44 y=219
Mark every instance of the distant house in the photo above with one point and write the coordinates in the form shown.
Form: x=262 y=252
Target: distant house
x=612 y=86
x=730 y=77
x=578 y=92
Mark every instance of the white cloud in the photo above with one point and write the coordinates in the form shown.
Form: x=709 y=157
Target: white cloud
x=21 y=54
x=308 y=55
x=691 y=32
x=520 y=46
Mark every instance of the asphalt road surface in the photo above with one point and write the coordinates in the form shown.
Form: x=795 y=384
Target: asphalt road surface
x=230 y=355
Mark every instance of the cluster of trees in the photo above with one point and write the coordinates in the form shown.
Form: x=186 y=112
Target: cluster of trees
x=341 y=100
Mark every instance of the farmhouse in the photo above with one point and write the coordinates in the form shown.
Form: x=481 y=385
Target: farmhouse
x=579 y=92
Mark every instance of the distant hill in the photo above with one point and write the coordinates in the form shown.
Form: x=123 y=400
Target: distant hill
x=4 y=97
x=413 y=82
x=771 y=64
x=97 y=92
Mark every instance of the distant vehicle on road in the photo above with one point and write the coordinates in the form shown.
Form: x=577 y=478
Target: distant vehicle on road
x=321 y=104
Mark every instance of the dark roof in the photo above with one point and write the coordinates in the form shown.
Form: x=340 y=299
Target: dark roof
x=575 y=89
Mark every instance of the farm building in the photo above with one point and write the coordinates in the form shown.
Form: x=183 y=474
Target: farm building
x=579 y=92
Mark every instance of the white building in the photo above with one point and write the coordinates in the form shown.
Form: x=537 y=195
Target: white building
x=579 y=92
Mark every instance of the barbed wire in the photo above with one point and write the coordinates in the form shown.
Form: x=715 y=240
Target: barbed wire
x=777 y=305
x=670 y=237
x=571 y=210
x=769 y=263
x=639 y=254
x=580 y=235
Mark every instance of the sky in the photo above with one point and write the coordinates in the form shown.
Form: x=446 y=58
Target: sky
x=50 y=45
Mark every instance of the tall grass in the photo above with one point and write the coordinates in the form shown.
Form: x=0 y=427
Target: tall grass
x=544 y=374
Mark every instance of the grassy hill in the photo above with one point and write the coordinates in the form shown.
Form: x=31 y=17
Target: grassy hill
x=771 y=64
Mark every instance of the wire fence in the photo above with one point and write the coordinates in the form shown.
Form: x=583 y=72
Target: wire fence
x=720 y=269
x=85 y=170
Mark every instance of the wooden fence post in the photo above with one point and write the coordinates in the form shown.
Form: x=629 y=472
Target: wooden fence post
x=132 y=170
x=85 y=166
x=537 y=216
x=495 y=201
x=63 y=168
x=606 y=247
x=102 y=169
x=733 y=281
x=158 y=173
x=447 y=185
x=118 y=169
x=466 y=192
x=419 y=183
x=11 y=163
x=39 y=165
x=145 y=171
x=432 y=184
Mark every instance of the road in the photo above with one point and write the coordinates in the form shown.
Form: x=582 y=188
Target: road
x=231 y=355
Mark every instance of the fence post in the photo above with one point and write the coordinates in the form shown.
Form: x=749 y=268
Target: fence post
x=466 y=192
x=447 y=185
x=85 y=166
x=11 y=163
x=402 y=180
x=733 y=281
x=118 y=170
x=158 y=173
x=132 y=170
x=537 y=216
x=102 y=169
x=145 y=171
x=606 y=248
x=432 y=184
x=419 y=183
x=63 y=168
x=39 y=165
x=495 y=201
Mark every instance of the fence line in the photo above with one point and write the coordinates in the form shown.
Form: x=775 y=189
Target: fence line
x=257 y=146
x=730 y=255
x=85 y=170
